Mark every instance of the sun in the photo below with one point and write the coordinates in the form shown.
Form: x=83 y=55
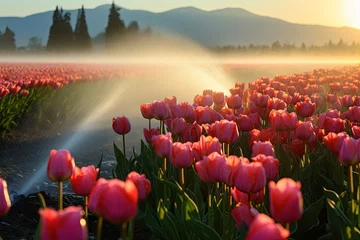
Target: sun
x=352 y=13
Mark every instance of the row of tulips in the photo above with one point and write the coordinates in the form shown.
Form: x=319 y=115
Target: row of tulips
x=24 y=87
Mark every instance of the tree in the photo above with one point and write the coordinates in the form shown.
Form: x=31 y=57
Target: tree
x=303 y=47
x=61 y=34
x=8 y=40
x=115 y=28
x=133 y=27
x=54 y=40
x=82 y=39
x=35 y=44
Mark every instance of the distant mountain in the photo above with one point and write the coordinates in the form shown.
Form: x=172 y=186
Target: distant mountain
x=230 y=26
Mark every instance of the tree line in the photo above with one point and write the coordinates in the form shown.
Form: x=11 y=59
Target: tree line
x=341 y=48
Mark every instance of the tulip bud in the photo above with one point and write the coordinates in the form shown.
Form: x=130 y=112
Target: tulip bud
x=121 y=125
x=60 y=165
x=286 y=201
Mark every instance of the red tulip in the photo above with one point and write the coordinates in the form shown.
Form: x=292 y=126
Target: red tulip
x=305 y=109
x=170 y=101
x=176 y=125
x=335 y=125
x=226 y=131
x=286 y=201
x=270 y=164
x=84 y=179
x=64 y=224
x=211 y=168
x=331 y=98
x=243 y=213
x=5 y=202
x=250 y=178
x=161 y=110
x=142 y=184
x=234 y=102
x=24 y=93
x=281 y=120
x=330 y=114
x=191 y=133
x=348 y=154
x=262 y=226
x=260 y=100
x=265 y=148
x=203 y=100
x=149 y=134
x=305 y=131
x=114 y=200
x=203 y=115
x=277 y=104
x=356 y=131
x=181 y=155
x=218 y=98
x=60 y=165
x=147 y=110
x=244 y=123
x=238 y=196
x=205 y=147
x=162 y=145
x=121 y=125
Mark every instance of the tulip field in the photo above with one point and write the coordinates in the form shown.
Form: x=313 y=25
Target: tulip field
x=277 y=158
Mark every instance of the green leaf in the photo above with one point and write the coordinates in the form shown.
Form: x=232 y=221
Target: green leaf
x=167 y=222
x=325 y=182
x=42 y=200
x=310 y=216
x=99 y=165
x=285 y=162
x=202 y=230
x=152 y=222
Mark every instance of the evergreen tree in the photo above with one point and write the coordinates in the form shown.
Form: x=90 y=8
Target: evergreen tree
x=61 y=34
x=115 y=28
x=8 y=40
x=133 y=27
x=53 y=41
x=82 y=37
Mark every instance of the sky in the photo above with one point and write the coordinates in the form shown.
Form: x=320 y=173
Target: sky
x=336 y=13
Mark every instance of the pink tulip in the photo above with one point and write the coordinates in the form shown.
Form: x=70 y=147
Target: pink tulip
x=114 y=200
x=147 y=110
x=149 y=134
x=270 y=164
x=142 y=184
x=64 y=224
x=265 y=148
x=181 y=155
x=205 y=147
x=250 y=178
x=84 y=179
x=161 y=110
x=60 y=165
x=243 y=213
x=239 y=196
x=262 y=226
x=162 y=145
x=226 y=131
x=348 y=154
x=286 y=201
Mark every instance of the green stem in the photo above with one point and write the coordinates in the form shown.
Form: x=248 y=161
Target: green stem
x=131 y=230
x=99 y=228
x=149 y=124
x=249 y=199
x=351 y=181
x=86 y=202
x=228 y=149
x=123 y=231
x=182 y=177
x=224 y=208
x=124 y=145
x=209 y=203
x=60 y=195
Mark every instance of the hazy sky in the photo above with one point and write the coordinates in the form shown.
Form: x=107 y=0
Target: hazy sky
x=324 y=12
